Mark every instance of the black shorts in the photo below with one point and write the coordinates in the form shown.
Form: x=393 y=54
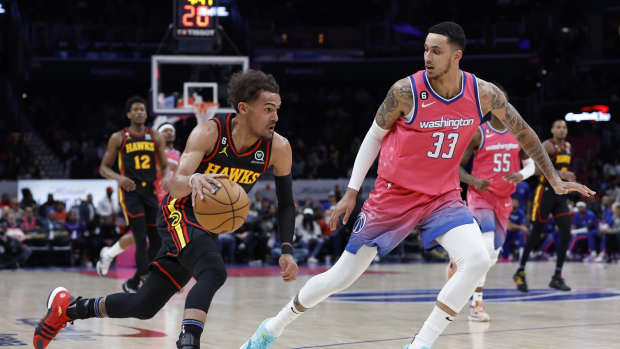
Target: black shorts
x=177 y=266
x=138 y=203
x=547 y=201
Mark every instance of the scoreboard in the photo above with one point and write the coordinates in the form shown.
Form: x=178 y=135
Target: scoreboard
x=197 y=18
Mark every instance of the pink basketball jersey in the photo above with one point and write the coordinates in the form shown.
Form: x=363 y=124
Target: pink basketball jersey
x=423 y=150
x=497 y=156
x=173 y=156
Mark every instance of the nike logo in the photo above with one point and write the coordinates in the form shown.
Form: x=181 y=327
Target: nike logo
x=448 y=318
x=427 y=104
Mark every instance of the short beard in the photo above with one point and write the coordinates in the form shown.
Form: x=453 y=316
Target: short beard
x=440 y=75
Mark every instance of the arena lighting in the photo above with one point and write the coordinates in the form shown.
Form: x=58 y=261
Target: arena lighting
x=595 y=113
x=2 y=10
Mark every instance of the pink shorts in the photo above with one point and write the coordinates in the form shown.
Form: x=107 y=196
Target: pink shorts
x=393 y=212
x=492 y=213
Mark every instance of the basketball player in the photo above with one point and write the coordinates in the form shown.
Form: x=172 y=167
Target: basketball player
x=136 y=150
x=240 y=148
x=547 y=201
x=108 y=254
x=493 y=178
x=424 y=125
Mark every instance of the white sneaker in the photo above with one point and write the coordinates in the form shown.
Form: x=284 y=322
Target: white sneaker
x=601 y=258
x=477 y=313
x=312 y=260
x=103 y=264
x=589 y=258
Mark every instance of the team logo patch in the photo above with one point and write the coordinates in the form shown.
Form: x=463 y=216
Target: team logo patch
x=259 y=156
x=423 y=95
x=360 y=223
x=175 y=218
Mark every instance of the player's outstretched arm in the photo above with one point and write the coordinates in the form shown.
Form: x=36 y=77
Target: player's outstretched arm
x=185 y=180
x=397 y=103
x=281 y=161
x=493 y=100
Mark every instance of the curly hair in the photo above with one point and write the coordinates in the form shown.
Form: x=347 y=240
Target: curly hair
x=246 y=86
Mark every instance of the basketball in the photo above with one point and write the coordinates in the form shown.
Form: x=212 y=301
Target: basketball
x=223 y=211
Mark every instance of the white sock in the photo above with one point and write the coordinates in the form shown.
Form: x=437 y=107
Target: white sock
x=115 y=250
x=475 y=298
x=276 y=325
x=434 y=325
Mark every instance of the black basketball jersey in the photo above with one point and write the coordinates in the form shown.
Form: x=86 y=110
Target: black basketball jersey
x=562 y=157
x=137 y=157
x=242 y=168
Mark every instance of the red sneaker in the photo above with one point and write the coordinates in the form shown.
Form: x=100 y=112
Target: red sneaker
x=56 y=318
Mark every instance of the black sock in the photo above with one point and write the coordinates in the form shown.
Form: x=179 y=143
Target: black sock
x=84 y=308
x=521 y=268
x=558 y=273
x=194 y=327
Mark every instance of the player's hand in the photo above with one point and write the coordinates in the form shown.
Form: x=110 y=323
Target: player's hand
x=207 y=182
x=482 y=184
x=289 y=267
x=563 y=187
x=127 y=184
x=567 y=175
x=525 y=229
x=346 y=206
x=514 y=177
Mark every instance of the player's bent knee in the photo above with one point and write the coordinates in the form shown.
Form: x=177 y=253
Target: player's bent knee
x=144 y=308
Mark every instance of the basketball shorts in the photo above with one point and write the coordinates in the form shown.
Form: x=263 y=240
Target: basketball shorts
x=141 y=202
x=393 y=212
x=176 y=226
x=492 y=213
x=547 y=201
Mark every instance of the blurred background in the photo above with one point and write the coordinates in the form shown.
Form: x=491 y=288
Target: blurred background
x=67 y=67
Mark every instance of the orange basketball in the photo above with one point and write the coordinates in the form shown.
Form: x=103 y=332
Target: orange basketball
x=223 y=211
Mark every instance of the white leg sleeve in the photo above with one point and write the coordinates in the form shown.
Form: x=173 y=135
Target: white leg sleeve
x=339 y=277
x=489 y=244
x=466 y=246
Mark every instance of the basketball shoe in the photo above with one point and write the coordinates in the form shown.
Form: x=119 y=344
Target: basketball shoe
x=519 y=279
x=477 y=313
x=557 y=282
x=56 y=318
x=103 y=264
x=261 y=339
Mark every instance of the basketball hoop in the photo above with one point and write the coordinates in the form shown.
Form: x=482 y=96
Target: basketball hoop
x=205 y=111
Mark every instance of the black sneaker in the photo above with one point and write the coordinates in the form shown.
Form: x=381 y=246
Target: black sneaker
x=188 y=341
x=519 y=279
x=558 y=283
x=130 y=286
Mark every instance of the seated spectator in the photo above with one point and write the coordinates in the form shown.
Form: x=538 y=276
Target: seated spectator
x=12 y=253
x=76 y=229
x=309 y=232
x=51 y=226
x=610 y=229
x=5 y=201
x=515 y=234
x=584 y=226
x=61 y=212
x=29 y=222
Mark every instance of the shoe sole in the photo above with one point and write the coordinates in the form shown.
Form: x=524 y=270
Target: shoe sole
x=52 y=295
x=473 y=319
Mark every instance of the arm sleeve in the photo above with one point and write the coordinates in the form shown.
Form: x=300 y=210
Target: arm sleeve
x=366 y=155
x=286 y=211
x=528 y=168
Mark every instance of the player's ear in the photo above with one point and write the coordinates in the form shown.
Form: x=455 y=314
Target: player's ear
x=458 y=54
x=243 y=107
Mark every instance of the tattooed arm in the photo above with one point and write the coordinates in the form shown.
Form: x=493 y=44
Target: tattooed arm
x=397 y=103
x=492 y=99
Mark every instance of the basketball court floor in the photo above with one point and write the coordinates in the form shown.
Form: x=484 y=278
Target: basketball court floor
x=382 y=310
